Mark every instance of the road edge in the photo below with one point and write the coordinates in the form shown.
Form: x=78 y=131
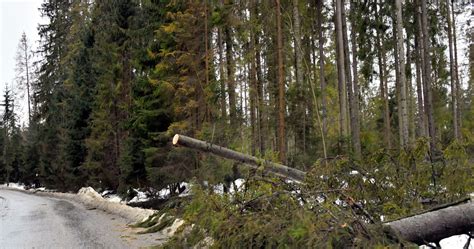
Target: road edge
x=91 y=200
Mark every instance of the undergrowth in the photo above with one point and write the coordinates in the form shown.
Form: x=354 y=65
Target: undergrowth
x=341 y=204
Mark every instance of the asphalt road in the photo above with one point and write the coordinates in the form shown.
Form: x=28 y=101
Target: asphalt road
x=31 y=221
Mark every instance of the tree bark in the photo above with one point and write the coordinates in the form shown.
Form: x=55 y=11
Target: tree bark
x=253 y=85
x=419 y=93
x=353 y=88
x=251 y=161
x=402 y=77
x=220 y=44
x=383 y=85
x=456 y=70
x=435 y=225
x=230 y=76
x=454 y=99
x=260 y=100
x=322 y=79
x=281 y=87
x=422 y=116
x=427 y=77
x=299 y=105
x=340 y=71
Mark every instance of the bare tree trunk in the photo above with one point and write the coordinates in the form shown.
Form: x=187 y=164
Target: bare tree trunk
x=322 y=80
x=260 y=99
x=340 y=71
x=299 y=106
x=410 y=93
x=432 y=226
x=230 y=77
x=402 y=77
x=419 y=91
x=223 y=103
x=253 y=162
x=383 y=86
x=281 y=87
x=454 y=100
x=427 y=77
x=456 y=71
x=253 y=86
x=422 y=72
x=352 y=86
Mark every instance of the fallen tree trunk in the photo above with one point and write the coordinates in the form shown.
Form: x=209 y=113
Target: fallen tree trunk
x=430 y=226
x=253 y=162
x=436 y=225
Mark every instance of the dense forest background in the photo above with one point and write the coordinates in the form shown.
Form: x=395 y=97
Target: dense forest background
x=367 y=96
x=343 y=88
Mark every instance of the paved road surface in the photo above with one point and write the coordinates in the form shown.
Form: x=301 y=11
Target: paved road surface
x=31 y=221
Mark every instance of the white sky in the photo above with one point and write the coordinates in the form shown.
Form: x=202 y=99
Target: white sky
x=16 y=17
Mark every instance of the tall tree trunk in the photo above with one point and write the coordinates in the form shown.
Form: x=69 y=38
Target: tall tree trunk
x=421 y=57
x=419 y=91
x=352 y=85
x=260 y=99
x=206 y=58
x=340 y=71
x=230 y=77
x=427 y=77
x=410 y=93
x=27 y=69
x=402 y=77
x=383 y=84
x=299 y=107
x=456 y=70
x=281 y=87
x=454 y=99
x=322 y=80
x=253 y=85
x=220 y=44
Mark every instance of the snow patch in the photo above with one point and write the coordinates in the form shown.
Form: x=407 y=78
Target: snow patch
x=14 y=185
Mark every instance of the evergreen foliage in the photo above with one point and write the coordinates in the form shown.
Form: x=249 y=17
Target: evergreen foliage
x=117 y=79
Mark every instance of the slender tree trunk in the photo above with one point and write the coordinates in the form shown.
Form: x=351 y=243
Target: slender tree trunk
x=410 y=93
x=383 y=85
x=260 y=98
x=322 y=80
x=230 y=77
x=456 y=70
x=353 y=87
x=423 y=72
x=223 y=103
x=454 y=100
x=27 y=67
x=402 y=77
x=419 y=90
x=206 y=58
x=281 y=87
x=340 y=71
x=253 y=86
x=427 y=77
x=299 y=106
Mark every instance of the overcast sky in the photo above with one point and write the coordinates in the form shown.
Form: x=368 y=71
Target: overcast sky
x=16 y=17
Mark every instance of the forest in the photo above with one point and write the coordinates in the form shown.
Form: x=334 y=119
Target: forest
x=371 y=98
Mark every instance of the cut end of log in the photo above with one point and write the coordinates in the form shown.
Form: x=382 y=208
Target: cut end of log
x=175 y=139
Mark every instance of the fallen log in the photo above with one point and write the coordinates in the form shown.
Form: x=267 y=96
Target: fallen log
x=253 y=162
x=433 y=226
x=430 y=226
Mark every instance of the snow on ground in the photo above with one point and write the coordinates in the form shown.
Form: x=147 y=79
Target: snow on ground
x=454 y=242
x=14 y=185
